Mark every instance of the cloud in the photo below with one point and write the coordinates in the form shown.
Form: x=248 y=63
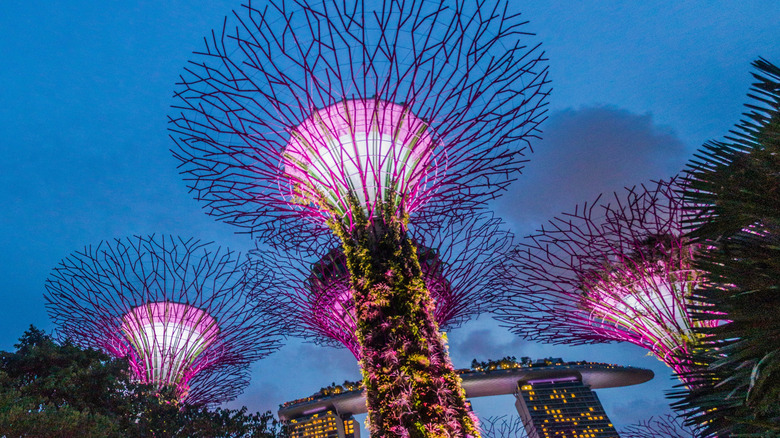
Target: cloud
x=260 y=396
x=483 y=344
x=639 y=408
x=586 y=152
x=336 y=359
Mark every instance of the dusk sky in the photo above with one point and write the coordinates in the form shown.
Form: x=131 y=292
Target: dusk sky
x=87 y=87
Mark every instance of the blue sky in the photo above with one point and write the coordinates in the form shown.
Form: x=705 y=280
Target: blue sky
x=86 y=87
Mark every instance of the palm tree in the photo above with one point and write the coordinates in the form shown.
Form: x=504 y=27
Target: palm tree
x=733 y=199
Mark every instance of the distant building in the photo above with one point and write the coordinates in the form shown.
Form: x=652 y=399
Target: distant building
x=324 y=424
x=561 y=407
x=565 y=386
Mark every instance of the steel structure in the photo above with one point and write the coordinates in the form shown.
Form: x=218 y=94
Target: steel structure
x=300 y=120
x=608 y=272
x=661 y=426
x=313 y=294
x=176 y=309
x=293 y=109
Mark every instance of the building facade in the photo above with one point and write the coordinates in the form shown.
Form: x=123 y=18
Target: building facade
x=324 y=424
x=562 y=407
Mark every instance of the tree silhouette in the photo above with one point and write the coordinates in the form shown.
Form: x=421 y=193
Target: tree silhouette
x=734 y=210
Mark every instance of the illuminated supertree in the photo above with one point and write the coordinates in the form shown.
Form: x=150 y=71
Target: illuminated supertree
x=176 y=309
x=313 y=293
x=608 y=272
x=298 y=120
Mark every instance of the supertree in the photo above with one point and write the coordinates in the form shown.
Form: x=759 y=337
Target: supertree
x=664 y=426
x=503 y=427
x=313 y=293
x=176 y=309
x=298 y=120
x=609 y=272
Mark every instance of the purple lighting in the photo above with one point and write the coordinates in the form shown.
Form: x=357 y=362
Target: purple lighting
x=167 y=339
x=429 y=105
x=314 y=295
x=176 y=309
x=608 y=272
x=364 y=150
x=300 y=121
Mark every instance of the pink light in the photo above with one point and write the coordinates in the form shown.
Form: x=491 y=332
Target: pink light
x=366 y=149
x=167 y=338
x=619 y=270
x=331 y=297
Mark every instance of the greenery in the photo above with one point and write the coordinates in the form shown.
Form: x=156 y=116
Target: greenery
x=335 y=389
x=501 y=364
x=734 y=197
x=50 y=389
x=511 y=362
x=411 y=386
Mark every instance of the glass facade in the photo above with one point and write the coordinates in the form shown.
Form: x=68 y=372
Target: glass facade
x=562 y=408
x=325 y=424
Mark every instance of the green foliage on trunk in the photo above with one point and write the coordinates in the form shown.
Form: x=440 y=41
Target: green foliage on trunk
x=412 y=388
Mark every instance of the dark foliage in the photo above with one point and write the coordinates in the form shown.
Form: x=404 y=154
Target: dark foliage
x=60 y=390
x=734 y=195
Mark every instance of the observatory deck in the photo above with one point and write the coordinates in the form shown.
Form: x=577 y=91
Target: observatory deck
x=497 y=380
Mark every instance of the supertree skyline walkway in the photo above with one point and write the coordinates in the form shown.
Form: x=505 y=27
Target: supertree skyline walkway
x=176 y=309
x=619 y=271
x=300 y=120
x=313 y=293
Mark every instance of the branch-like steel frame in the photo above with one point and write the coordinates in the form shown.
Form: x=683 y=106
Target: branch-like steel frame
x=461 y=71
x=314 y=297
x=300 y=120
x=177 y=309
x=619 y=271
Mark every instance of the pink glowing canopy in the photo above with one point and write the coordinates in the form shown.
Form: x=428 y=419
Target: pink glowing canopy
x=176 y=308
x=613 y=271
x=167 y=339
x=645 y=301
x=367 y=150
x=311 y=292
x=290 y=114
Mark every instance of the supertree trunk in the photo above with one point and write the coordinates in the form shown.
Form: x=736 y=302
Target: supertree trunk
x=412 y=387
x=313 y=295
x=363 y=117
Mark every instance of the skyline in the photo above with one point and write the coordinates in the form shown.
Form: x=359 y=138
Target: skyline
x=87 y=159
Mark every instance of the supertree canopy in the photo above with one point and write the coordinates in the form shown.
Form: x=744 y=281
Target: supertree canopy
x=608 y=272
x=176 y=309
x=314 y=293
x=360 y=118
x=299 y=111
